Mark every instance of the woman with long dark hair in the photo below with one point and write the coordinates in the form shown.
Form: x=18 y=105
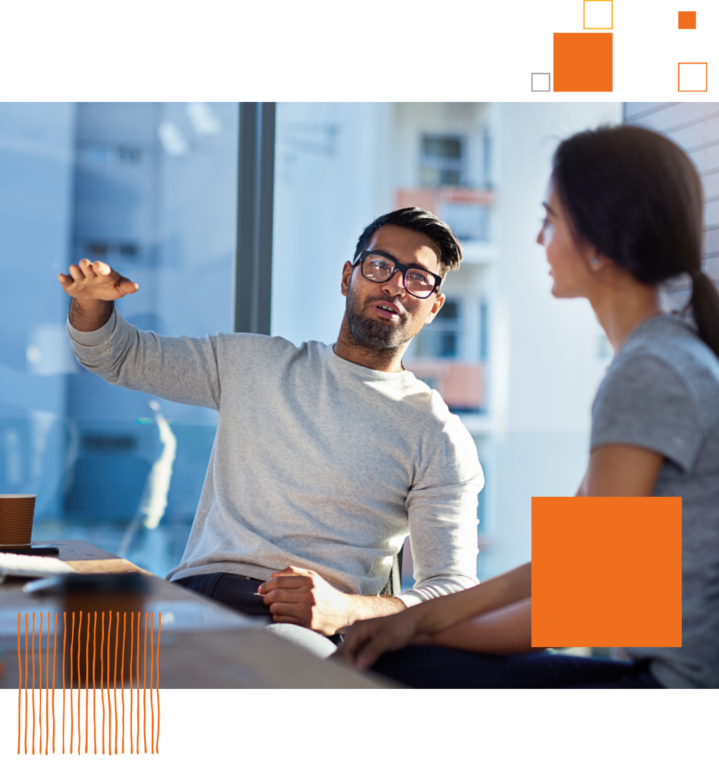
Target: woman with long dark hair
x=623 y=215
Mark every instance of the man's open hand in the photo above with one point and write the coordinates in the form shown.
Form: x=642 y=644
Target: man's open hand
x=300 y=596
x=96 y=281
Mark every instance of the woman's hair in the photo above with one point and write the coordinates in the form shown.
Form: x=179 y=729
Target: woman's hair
x=637 y=198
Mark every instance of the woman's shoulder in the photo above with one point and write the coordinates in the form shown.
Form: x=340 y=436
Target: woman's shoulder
x=661 y=392
x=664 y=364
x=670 y=344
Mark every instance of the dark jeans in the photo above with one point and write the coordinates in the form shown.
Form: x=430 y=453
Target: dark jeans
x=240 y=593
x=428 y=666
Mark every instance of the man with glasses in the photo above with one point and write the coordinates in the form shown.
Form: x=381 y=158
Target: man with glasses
x=325 y=457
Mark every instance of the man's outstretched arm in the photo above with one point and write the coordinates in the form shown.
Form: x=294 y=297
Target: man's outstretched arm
x=303 y=597
x=181 y=369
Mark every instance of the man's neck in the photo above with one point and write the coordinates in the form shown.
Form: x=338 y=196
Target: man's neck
x=386 y=360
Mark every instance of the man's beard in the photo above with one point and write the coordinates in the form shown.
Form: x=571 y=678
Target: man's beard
x=370 y=332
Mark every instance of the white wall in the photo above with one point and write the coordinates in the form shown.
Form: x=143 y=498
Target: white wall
x=545 y=366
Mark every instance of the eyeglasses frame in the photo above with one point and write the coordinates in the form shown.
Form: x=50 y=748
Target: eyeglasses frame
x=398 y=267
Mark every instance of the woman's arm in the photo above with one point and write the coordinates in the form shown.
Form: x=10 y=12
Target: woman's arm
x=506 y=630
x=621 y=470
x=367 y=640
x=435 y=615
x=614 y=470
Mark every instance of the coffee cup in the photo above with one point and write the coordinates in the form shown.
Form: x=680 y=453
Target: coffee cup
x=16 y=517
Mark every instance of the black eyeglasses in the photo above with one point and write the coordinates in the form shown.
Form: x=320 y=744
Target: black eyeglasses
x=379 y=268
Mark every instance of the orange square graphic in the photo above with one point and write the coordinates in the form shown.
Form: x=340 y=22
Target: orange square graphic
x=606 y=572
x=687 y=19
x=693 y=76
x=583 y=61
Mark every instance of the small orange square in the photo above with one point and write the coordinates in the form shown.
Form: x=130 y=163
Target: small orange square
x=687 y=19
x=606 y=572
x=693 y=76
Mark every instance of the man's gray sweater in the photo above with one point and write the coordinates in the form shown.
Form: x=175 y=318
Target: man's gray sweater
x=317 y=462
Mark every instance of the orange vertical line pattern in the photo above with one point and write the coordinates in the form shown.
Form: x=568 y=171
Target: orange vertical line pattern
x=54 y=649
x=26 y=683
x=19 y=687
x=109 y=704
x=79 y=640
x=64 y=640
x=32 y=648
x=144 y=681
x=157 y=672
x=139 y=615
x=122 y=678
x=47 y=685
x=115 y=707
x=87 y=680
x=132 y=648
x=102 y=678
x=152 y=670
x=72 y=641
x=94 y=656
x=39 y=651
x=75 y=700
x=158 y=749
x=77 y=712
x=157 y=665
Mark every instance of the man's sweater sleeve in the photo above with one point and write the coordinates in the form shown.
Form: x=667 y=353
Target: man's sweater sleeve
x=181 y=369
x=442 y=509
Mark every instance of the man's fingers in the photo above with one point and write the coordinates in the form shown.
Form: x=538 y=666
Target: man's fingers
x=127 y=286
x=86 y=267
x=291 y=581
x=290 y=613
x=102 y=269
x=284 y=596
x=75 y=272
x=289 y=609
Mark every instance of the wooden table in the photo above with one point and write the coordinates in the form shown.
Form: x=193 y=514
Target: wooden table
x=203 y=644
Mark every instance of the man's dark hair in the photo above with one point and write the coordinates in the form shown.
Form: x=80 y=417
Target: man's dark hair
x=419 y=220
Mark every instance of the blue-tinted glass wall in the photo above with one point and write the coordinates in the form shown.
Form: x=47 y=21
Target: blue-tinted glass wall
x=151 y=189
x=36 y=173
x=154 y=197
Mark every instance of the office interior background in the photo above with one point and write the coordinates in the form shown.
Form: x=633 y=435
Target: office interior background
x=156 y=190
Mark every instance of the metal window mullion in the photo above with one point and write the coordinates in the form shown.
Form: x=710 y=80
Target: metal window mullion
x=255 y=199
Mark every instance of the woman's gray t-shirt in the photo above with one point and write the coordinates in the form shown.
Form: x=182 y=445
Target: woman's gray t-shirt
x=661 y=392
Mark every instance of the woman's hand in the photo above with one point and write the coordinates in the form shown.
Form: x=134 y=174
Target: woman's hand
x=367 y=640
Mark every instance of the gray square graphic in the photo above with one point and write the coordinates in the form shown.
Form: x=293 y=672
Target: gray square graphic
x=541 y=82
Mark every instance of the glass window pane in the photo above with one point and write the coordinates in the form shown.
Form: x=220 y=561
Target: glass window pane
x=448 y=147
x=150 y=188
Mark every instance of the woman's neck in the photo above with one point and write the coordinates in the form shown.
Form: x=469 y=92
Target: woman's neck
x=624 y=307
